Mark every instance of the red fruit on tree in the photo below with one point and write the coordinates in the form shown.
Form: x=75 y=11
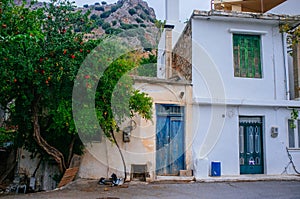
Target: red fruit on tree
x=65 y=51
x=15 y=80
x=43 y=72
x=73 y=56
x=41 y=59
x=81 y=50
x=87 y=76
x=4 y=26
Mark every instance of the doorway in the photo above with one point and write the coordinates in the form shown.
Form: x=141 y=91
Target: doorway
x=170 y=157
x=250 y=145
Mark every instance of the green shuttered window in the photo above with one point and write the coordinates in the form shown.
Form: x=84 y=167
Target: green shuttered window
x=247 y=56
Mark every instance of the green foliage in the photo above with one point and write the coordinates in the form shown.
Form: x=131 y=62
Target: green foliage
x=93 y=17
x=105 y=14
x=103 y=3
x=126 y=26
x=99 y=8
x=113 y=31
x=85 y=5
x=115 y=105
x=294 y=117
x=114 y=9
x=114 y=22
x=97 y=4
x=141 y=104
x=105 y=25
x=99 y=22
x=139 y=20
x=151 y=20
x=6 y=136
x=143 y=16
x=146 y=11
x=148 y=66
x=143 y=25
x=132 y=11
x=293 y=34
x=41 y=55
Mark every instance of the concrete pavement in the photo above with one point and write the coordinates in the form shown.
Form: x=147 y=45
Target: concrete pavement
x=89 y=189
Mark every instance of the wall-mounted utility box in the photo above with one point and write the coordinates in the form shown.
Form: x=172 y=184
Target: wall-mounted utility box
x=274 y=131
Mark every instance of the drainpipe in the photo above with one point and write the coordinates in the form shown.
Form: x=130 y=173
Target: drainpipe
x=286 y=67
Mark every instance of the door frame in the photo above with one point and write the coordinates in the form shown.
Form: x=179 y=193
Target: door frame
x=182 y=115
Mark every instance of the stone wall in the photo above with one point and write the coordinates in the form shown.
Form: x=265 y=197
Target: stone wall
x=182 y=54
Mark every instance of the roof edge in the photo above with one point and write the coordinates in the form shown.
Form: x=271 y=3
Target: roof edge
x=249 y=15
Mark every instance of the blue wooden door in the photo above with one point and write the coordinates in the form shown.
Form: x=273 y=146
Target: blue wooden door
x=250 y=136
x=169 y=139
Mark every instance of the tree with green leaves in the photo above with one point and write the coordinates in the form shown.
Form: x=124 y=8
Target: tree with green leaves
x=40 y=56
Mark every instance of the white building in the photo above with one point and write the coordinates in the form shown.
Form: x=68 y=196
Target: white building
x=241 y=92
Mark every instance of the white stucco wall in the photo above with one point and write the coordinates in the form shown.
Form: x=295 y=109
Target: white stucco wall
x=102 y=158
x=215 y=38
x=226 y=146
x=220 y=98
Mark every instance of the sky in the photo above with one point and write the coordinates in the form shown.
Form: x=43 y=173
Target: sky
x=187 y=6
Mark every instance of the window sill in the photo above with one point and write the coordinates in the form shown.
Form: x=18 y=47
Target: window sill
x=294 y=149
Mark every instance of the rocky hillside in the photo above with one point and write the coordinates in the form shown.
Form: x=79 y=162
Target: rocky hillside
x=131 y=19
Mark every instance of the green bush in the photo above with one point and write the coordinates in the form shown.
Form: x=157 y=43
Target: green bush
x=85 y=5
x=139 y=20
x=114 y=9
x=132 y=11
x=105 y=14
x=105 y=25
x=114 y=22
x=143 y=25
x=143 y=16
x=99 y=22
x=103 y=3
x=113 y=31
x=126 y=26
x=99 y=8
x=93 y=17
x=152 y=20
x=148 y=66
x=97 y=4
x=146 y=11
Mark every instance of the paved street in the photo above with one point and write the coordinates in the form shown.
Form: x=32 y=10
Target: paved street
x=89 y=189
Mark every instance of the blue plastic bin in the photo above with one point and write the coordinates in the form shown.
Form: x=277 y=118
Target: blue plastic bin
x=215 y=168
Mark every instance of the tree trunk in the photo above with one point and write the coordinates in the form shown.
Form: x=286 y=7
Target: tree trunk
x=56 y=154
x=71 y=151
x=121 y=154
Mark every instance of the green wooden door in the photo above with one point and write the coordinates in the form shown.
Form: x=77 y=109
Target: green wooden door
x=251 y=148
